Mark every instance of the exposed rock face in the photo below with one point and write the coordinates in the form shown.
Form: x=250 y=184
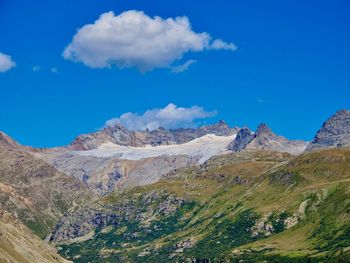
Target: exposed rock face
x=118 y=134
x=335 y=132
x=114 y=212
x=243 y=138
x=265 y=139
x=104 y=175
x=113 y=166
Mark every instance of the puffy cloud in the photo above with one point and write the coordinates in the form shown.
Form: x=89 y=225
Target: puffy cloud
x=169 y=117
x=6 y=63
x=185 y=66
x=133 y=39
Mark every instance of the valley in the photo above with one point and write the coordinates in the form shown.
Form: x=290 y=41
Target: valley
x=233 y=195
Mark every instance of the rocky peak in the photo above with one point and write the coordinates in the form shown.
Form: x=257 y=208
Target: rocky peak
x=243 y=138
x=263 y=129
x=221 y=123
x=335 y=132
x=120 y=135
x=265 y=139
x=115 y=128
x=220 y=128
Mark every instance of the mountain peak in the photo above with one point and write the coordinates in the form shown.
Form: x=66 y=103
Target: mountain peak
x=335 y=132
x=264 y=139
x=263 y=129
x=115 y=126
x=222 y=122
x=343 y=112
x=243 y=138
x=219 y=124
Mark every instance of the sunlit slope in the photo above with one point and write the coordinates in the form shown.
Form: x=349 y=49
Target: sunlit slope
x=18 y=244
x=250 y=206
x=34 y=191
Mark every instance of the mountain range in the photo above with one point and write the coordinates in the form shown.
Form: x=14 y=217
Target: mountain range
x=213 y=193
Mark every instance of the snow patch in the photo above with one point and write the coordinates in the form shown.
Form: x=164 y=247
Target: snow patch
x=203 y=148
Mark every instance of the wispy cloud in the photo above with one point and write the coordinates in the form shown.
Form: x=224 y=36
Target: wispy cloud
x=36 y=68
x=54 y=70
x=169 y=117
x=6 y=63
x=220 y=44
x=133 y=39
x=185 y=66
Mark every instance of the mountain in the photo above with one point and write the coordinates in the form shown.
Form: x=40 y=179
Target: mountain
x=241 y=207
x=112 y=166
x=18 y=244
x=335 y=132
x=265 y=139
x=117 y=158
x=34 y=191
x=117 y=134
x=211 y=194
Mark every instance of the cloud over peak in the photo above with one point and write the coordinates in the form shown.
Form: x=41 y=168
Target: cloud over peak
x=134 y=39
x=6 y=62
x=169 y=117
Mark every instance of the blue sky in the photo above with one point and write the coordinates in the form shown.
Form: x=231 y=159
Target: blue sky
x=291 y=68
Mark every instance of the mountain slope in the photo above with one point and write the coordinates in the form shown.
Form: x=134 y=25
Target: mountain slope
x=18 y=244
x=243 y=206
x=34 y=191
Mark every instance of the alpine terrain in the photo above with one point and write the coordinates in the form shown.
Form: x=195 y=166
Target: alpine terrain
x=209 y=194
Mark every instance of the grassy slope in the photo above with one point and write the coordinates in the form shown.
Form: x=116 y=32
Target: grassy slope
x=226 y=198
x=35 y=191
x=18 y=244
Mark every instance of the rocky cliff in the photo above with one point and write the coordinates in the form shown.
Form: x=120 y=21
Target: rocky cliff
x=335 y=132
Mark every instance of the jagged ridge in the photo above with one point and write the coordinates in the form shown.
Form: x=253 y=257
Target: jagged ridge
x=120 y=135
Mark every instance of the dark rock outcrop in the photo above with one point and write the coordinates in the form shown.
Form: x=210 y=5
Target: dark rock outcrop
x=335 y=132
x=265 y=139
x=243 y=138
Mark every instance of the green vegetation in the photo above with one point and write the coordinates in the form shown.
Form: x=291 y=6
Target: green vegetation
x=264 y=207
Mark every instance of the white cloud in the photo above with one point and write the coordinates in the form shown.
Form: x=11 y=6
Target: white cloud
x=185 y=66
x=133 y=39
x=6 y=63
x=169 y=117
x=54 y=70
x=220 y=44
